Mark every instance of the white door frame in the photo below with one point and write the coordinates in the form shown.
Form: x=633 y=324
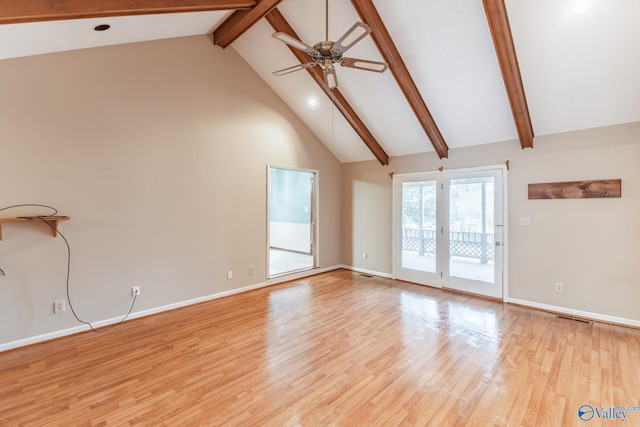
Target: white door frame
x=315 y=240
x=398 y=179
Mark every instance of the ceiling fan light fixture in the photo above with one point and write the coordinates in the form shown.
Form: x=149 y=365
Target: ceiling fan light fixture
x=581 y=7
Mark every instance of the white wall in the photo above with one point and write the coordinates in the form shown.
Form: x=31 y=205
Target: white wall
x=158 y=151
x=290 y=236
x=590 y=245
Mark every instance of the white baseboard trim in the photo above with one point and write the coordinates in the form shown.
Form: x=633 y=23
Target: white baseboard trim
x=41 y=338
x=578 y=313
x=101 y=323
x=187 y=303
x=365 y=271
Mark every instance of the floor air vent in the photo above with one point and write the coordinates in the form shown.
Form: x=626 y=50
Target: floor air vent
x=574 y=319
x=366 y=275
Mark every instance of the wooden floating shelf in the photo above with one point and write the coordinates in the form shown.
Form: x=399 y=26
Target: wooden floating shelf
x=609 y=188
x=52 y=220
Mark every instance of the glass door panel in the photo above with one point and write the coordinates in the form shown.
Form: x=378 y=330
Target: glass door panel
x=471 y=224
x=419 y=226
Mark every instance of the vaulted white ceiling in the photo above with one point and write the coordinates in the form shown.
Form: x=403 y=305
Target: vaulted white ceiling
x=578 y=71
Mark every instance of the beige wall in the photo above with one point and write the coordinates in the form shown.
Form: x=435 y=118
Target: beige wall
x=158 y=151
x=591 y=246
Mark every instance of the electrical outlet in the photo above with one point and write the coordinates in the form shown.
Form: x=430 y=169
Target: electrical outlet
x=251 y=270
x=559 y=287
x=58 y=307
x=229 y=274
x=135 y=291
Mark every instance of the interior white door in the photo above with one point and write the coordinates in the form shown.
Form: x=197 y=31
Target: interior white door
x=448 y=229
x=291 y=220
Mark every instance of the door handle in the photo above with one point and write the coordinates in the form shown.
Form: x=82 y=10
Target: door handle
x=498 y=243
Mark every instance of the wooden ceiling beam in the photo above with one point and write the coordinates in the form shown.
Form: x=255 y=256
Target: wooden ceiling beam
x=391 y=55
x=279 y=23
x=16 y=11
x=503 y=41
x=240 y=21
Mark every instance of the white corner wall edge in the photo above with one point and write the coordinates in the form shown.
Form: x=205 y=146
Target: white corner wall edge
x=101 y=323
x=579 y=313
x=365 y=271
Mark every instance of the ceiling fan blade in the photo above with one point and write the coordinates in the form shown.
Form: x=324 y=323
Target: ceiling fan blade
x=364 y=64
x=356 y=33
x=293 y=42
x=293 y=69
x=330 y=78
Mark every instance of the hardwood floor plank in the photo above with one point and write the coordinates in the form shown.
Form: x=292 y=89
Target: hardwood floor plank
x=337 y=349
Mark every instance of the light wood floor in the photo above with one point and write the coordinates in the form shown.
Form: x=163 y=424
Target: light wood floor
x=337 y=349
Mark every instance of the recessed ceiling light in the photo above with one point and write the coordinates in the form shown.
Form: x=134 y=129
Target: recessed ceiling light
x=581 y=6
x=102 y=27
x=313 y=102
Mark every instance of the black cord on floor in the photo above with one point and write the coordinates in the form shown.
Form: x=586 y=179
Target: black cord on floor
x=41 y=218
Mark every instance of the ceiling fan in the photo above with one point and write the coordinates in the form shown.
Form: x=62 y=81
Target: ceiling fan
x=327 y=53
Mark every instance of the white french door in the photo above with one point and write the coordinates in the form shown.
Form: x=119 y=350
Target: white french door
x=448 y=229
